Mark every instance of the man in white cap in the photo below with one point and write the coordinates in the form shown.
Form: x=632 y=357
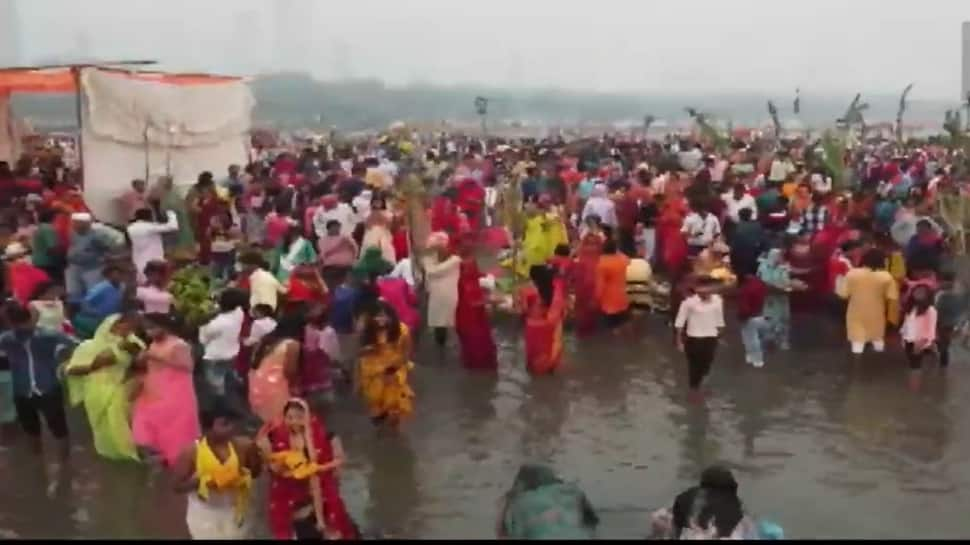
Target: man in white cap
x=85 y=257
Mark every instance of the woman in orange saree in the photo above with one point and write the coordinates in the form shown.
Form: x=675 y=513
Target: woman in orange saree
x=543 y=305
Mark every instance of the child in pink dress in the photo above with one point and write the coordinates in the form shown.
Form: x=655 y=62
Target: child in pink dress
x=154 y=295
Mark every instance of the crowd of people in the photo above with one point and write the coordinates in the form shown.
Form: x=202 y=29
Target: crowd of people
x=318 y=265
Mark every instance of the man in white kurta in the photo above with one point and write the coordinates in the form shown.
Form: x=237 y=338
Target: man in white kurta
x=441 y=279
x=146 y=239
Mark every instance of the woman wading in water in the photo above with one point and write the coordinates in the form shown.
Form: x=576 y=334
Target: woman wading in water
x=304 y=495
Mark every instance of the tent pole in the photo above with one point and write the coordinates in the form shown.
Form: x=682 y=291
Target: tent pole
x=147 y=157
x=78 y=106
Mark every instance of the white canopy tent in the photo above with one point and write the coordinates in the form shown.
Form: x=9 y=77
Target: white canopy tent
x=140 y=128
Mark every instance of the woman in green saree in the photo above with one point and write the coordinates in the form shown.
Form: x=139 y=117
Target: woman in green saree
x=96 y=378
x=181 y=243
x=294 y=250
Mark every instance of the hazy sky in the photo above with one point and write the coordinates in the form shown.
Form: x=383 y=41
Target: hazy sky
x=823 y=46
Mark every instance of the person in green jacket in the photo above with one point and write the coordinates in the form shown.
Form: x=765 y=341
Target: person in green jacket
x=46 y=252
x=540 y=505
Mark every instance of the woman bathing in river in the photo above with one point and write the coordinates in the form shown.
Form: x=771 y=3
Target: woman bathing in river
x=385 y=363
x=304 y=493
x=710 y=510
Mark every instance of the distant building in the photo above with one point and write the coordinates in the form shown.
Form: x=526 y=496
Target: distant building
x=965 y=90
x=10 y=46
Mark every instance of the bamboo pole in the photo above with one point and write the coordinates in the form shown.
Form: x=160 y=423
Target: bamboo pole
x=147 y=154
x=79 y=113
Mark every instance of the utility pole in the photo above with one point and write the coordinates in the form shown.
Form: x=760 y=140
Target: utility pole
x=966 y=104
x=481 y=107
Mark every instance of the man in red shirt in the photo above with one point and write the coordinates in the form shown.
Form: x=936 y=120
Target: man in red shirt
x=751 y=303
x=23 y=277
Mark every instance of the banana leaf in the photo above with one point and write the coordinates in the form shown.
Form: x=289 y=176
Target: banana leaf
x=834 y=149
x=708 y=131
x=192 y=288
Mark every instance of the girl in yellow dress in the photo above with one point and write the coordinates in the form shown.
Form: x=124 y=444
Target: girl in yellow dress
x=385 y=363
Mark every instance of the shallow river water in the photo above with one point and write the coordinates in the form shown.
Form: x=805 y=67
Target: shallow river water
x=821 y=449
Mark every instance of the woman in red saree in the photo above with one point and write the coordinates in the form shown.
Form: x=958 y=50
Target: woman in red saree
x=806 y=266
x=671 y=243
x=306 y=289
x=445 y=217
x=543 y=305
x=586 y=309
x=399 y=238
x=304 y=495
x=204 y=205
x=470 y=198
x=472 y=325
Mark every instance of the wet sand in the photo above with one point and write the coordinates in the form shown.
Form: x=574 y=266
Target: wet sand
x=821 y=449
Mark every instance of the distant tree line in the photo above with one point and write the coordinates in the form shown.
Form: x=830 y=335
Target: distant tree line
x=297 y=100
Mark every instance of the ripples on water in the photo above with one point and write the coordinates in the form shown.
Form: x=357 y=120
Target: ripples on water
x=822 y=451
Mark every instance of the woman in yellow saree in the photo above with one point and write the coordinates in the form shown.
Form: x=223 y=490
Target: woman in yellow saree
x=544 y=230
x=96 y=378
x=896 y=265
x=385 y=363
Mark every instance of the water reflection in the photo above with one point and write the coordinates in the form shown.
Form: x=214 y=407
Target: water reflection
x=823 y=451
x=392 y=486
x=542 y=416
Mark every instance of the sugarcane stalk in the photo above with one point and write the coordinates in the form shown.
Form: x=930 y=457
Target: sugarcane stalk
x=900 y=112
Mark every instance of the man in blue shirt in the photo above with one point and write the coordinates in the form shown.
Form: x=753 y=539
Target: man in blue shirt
x=344 y=303
x=532 y=186
x=102 y=300
x=343 y=306
x=34 y=355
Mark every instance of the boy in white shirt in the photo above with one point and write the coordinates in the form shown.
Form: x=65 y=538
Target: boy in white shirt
x=701 y=229
x=699 y=322
x=220 y=339
x=264 y=322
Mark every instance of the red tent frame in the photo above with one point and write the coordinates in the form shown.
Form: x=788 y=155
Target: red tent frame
x=67 y=79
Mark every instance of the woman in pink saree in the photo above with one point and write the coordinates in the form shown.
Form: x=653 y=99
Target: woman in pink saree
x=165 y=417
x=276 y=369
x=402 y=298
